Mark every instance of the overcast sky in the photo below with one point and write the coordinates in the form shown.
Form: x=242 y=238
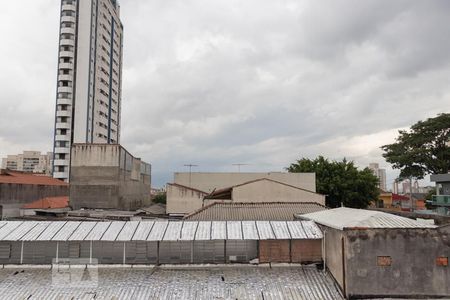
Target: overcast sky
x=258 y=82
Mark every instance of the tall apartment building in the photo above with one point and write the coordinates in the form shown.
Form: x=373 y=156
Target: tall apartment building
x=88 y=101
x=380 y=173
x=29 y=161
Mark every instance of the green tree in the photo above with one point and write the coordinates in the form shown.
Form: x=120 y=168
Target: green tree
x=340 y=181
x=160 y=198
x=421 y=150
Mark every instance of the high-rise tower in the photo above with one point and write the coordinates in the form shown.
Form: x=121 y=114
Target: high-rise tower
x=89 y=84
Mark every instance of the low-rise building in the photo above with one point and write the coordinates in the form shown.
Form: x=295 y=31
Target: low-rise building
x=372 y=254
x=107 y=176
x=267 y=211
x=19 y=188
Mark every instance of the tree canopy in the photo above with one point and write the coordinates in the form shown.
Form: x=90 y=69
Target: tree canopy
x=340 y=181
x=422 y=150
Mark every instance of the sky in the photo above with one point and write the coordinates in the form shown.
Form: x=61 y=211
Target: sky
x=258 y=82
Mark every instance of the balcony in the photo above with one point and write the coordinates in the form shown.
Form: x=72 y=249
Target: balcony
x=64 y=89
x=67 y=42
x=68 y=30
x=61 y=162
x=66 y=66
x=61 y=175
x=64 y=101
x=70 y=7
x=63 y=125
x=64 y=150
x=65 y=137
x=68 y=19
x=66 y=54
x=67 y=77
x=441 y=200
x=63 y=113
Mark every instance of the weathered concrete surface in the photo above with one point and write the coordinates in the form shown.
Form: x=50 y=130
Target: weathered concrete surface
x=108 y=177
x=13 y=196
x=413 y=271
x=183 y=200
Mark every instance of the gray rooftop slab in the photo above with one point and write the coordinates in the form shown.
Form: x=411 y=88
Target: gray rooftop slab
x=239 y=282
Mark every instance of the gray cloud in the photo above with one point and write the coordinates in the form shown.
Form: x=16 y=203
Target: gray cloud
x=258 y=82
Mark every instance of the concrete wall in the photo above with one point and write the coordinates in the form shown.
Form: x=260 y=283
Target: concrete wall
x=332 y=245
x=209 y=181
x=13 y=196
x=413 y=270
x=269 y=191
x=181 y=200
x=108 y=177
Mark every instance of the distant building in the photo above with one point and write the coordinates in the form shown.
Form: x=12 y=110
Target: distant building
x=29 y=161
x=189 y=190
x=380 y=173
x=267 y=211
x=89 y=83
x=442 y=198
x=18 y=189
x=107 y=176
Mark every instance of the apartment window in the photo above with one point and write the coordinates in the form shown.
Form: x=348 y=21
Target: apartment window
x=66 y=60
x=62 y=156
x=384 y=261
x=63 y=119
x=60 y=168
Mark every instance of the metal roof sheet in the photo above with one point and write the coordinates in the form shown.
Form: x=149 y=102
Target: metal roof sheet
x=188 y=231
x=20 y=231
x=273 y=211
x=50 y=231
x=127 y=231
x=82 y=231
x=280 y=230
x=8 y=227
x=203 y=231
x=173 y=231
x=249 y=230
x=218 y=230
x=35 y=232
x=265 y=230
x=234 y=230
x=344 y=217
x=158 y=230
x=113 y=231
x=98 y=231
x=143 y=230
x=66 y=231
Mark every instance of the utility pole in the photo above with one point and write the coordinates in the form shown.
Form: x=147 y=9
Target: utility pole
x=190 y=171
x=239 y=166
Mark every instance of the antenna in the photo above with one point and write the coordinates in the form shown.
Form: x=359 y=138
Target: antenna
x=239 y=166
x=190 y=171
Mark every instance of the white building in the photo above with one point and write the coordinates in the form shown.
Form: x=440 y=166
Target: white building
x=88 y=100
x=29 y=161
x=380 y=173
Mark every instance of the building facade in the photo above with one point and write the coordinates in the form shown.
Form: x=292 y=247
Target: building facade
x=380 y=173
x=29 y=161
x=88 y=100
x=106 y=176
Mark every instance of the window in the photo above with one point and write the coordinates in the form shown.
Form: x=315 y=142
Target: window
x=442 y=261
x=384 y=261
x=60 y=168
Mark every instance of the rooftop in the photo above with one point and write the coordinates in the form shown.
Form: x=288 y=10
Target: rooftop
x=271 y=211
x=234 y=282
x=49 y=202
x=15 y=177
x=156 y=230
x=344 y=217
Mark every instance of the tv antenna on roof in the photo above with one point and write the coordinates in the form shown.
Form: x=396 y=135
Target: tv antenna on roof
x=239 y=166
x=190 y=171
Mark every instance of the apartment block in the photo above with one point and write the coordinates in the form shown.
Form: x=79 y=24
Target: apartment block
x=29 y=161
x=380 y=173
x=88 y=100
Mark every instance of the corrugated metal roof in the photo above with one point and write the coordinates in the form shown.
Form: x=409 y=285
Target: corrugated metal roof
x=183 y=282
x=272 y=211
x=29 y=178
x=344 y=217
x=157 y=230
